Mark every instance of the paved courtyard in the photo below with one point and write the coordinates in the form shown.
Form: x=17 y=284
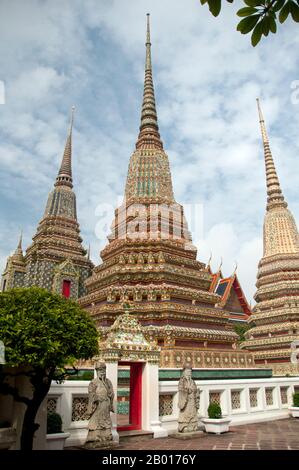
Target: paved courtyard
x=273 y=435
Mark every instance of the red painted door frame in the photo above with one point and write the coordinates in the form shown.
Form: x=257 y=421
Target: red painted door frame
x=135 y=408
x=66 y=288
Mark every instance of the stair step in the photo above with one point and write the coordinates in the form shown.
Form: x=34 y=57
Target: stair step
x=127 y=436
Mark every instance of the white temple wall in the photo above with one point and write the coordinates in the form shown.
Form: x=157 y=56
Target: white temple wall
x=270 y=400
x=243 y=400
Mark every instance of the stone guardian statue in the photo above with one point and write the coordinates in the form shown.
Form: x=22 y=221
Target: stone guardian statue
x=188 y=402
x=100 y=404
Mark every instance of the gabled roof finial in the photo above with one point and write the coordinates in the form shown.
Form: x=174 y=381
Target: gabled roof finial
x=208 y=265
x=236 y=267
x=220 y=265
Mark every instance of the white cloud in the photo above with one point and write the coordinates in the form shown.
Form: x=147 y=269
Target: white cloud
x=32 y=86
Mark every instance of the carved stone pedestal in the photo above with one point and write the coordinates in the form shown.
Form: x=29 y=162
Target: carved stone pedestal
x=187 y=435
x=100 y=445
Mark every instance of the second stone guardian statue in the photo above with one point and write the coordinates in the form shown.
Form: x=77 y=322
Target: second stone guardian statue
x=188 y=402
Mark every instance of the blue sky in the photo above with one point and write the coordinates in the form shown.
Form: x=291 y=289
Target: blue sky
x=91 y=54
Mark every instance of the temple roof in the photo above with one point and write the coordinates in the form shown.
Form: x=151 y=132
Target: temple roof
x=125 y=341
x=227 y=288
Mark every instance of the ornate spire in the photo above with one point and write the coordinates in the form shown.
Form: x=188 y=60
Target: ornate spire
x=275 y=197
x=19 y=247
x=149 y=136
x=18 y=254
x=64 y=177
x=277 y=292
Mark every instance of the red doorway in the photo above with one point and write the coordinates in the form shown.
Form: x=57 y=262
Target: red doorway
x=135 y=397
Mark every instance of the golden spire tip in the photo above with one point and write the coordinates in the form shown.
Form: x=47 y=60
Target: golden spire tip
x=73 y=111
x=262 y=122
x=20 y=239
x=72 y=117
x=148 y=34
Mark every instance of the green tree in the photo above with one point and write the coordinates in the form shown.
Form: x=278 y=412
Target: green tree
x=259 y=16
x=241 y=329
x=42 y=333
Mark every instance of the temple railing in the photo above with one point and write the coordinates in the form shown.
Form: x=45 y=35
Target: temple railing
x=242 y=400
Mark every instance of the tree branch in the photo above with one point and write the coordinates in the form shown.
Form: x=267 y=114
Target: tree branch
x=6 y=389
x=17 y=374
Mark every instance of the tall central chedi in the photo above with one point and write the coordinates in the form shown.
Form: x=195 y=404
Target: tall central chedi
x=150 y=262
x=275 y=319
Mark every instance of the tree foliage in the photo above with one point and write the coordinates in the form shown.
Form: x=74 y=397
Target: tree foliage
x=42 y=333
x=43 y=329
x=214 y=410
x=241 y=329
x=259 y=17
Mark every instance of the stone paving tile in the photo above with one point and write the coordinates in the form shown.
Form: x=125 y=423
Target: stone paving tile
x=275 y=435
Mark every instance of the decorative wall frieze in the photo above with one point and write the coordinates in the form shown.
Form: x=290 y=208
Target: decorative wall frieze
x=272 y=341
x=289 y=312
x=206 y=359
x=273 y=328
x=162 y=310
x=285 y=369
